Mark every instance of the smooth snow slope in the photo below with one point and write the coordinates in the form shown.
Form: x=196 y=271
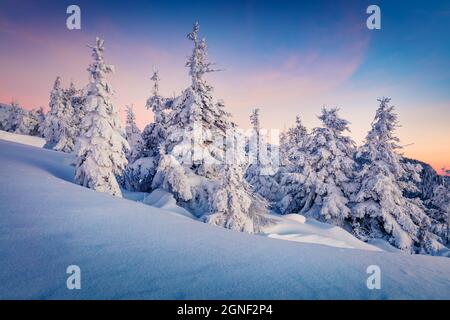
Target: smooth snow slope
x=21 y=138
x=127 y=249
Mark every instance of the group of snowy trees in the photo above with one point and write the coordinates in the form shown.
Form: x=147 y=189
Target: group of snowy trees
x=188 y=151
x=367 y=189
x=86 y=123
x=14 y=118
x=63 y=121
x=60 y=126
x=195 y=151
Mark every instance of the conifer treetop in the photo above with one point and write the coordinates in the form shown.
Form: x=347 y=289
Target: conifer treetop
x=56 y=84
x=331 y=120
x=155 y=102
x=385 y=124
x=99 y=69
x=381 y=143
x=155 y=78
x=254 y=118
x=198 y=63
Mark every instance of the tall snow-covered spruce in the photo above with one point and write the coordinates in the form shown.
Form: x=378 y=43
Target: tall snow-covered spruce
x=139 y=174
x=381 y=210
x=262 y=168
x=296 y=168
x=76 y=98
x=102 y=146
x=155 y=133
x=197 y=125
x=193 y=157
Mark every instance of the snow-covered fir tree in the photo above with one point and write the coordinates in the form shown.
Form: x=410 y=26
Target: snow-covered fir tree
x=102 y=146
x=51 y=130
x=133 y=136
x=59 y=132
x=155 y=134
x=139 y=174
x=255 y=140
x=193 y=156
x=14 y=117
x=197 y=126
x=297 y=135
x=19 y=119
x=5 y=112
x=262 y=170
x=328 y=169
x=381 y=209
x=76 y=98
x=26 y=122
x=296 y=167
x=171 y=176
x=39 y=115
x=233 y=205
x=427 y=181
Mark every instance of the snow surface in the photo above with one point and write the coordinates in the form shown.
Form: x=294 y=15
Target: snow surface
x=24 y=139
x=127 y=249
x=295 y=227
x=162 y=199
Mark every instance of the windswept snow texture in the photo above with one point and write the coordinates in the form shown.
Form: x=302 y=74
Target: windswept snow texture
x=127 y=249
